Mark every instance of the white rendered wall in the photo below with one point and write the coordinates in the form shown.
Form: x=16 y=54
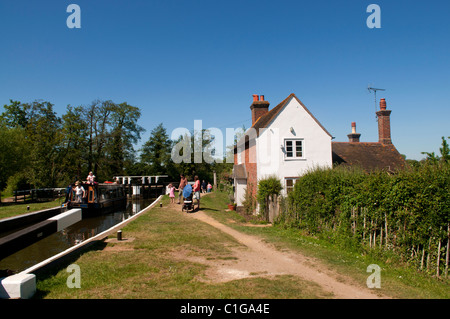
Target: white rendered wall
x=316 y=144
x=240 y=187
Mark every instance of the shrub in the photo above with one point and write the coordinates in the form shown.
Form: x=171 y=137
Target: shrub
x=406 y=213
x=267 y=189
x=249 y=202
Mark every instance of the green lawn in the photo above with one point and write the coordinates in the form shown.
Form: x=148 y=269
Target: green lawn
x=146 y=267
x=13 y=209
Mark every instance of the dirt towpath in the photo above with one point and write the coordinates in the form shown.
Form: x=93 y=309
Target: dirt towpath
x=260 y=258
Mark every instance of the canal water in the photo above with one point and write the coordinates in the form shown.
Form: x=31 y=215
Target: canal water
x=60 y=241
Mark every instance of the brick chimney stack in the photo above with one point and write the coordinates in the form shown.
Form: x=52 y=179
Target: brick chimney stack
x=384 y=123
x=353 y=137
x=259 y=107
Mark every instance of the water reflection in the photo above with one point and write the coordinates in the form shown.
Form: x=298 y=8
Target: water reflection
x=70 y=236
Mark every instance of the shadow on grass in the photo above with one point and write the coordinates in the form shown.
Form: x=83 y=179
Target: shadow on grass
x=53 y=268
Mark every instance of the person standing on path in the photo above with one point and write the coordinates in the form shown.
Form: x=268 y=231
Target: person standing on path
x=183 y=183
x=204 y=187
x=197 y=191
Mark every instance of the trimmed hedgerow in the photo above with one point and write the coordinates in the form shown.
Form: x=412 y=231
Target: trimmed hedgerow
x=406 y=213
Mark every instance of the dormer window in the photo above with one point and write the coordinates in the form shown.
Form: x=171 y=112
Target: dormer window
x=293 y=149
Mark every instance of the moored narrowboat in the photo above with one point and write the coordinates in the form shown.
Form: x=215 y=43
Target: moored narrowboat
x=98 y=198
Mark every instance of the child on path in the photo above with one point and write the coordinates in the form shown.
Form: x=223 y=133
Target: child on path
x=172 y=190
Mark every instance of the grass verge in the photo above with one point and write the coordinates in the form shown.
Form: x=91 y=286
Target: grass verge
x=146 y=265
x=13 y=209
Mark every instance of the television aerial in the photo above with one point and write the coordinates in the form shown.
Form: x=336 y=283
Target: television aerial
x=375 y=93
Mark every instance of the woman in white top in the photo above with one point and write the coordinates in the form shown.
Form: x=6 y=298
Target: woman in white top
x=80 y=193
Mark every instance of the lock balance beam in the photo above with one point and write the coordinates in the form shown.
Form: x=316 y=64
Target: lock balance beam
x=25 y=237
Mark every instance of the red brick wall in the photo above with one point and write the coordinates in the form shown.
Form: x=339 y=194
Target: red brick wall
x=251 y=166
x=249 y=159
x=384 y=126
x=259 y=108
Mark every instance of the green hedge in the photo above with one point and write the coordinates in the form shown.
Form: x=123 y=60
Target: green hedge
x=406 y=213
x=267 y=189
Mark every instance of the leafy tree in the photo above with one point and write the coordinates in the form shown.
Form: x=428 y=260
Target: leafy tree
x=14 y=153
x=15 y=115
x=43 y=133
x=201 y=160
x=445 y=150
x=124 y=133
x=74 y=144
x=156 y=152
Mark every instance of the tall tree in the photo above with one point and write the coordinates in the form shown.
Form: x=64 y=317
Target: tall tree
x=14 y=154
x=445 y=150
x=44 y=135
x=15 y=115
x=155 y=153
x=74 y=144
x=124 y=133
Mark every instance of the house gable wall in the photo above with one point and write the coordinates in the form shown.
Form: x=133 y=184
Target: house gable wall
x=316 y=143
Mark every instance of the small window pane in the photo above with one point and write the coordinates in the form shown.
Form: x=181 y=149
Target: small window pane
x=294 y=148
x=289 y=146
x=290 y=185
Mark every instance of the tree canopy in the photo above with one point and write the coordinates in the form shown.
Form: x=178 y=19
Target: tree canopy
x=41 y=149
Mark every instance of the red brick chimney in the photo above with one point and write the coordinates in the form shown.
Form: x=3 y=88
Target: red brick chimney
x=384 y=123
x=259 y=107
x=353 y=137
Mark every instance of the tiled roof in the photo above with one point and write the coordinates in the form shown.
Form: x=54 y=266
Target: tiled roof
x=239 y=171
x=369 y=156
x=265 y=120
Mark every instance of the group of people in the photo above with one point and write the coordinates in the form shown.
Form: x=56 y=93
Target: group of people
x=79 y=190
x=206 y=187
x=197 y=189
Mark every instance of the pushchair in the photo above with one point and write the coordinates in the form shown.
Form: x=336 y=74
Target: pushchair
x=188 y=203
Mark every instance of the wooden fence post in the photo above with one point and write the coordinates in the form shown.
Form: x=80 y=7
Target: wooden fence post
x=438 y=260
x=447 y=253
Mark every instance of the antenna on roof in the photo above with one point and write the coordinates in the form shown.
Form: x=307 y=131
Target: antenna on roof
x=375 y=91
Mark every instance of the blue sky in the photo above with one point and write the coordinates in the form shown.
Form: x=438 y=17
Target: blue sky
x=184 y=60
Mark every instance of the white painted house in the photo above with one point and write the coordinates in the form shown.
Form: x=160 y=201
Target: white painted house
x=285 y=141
